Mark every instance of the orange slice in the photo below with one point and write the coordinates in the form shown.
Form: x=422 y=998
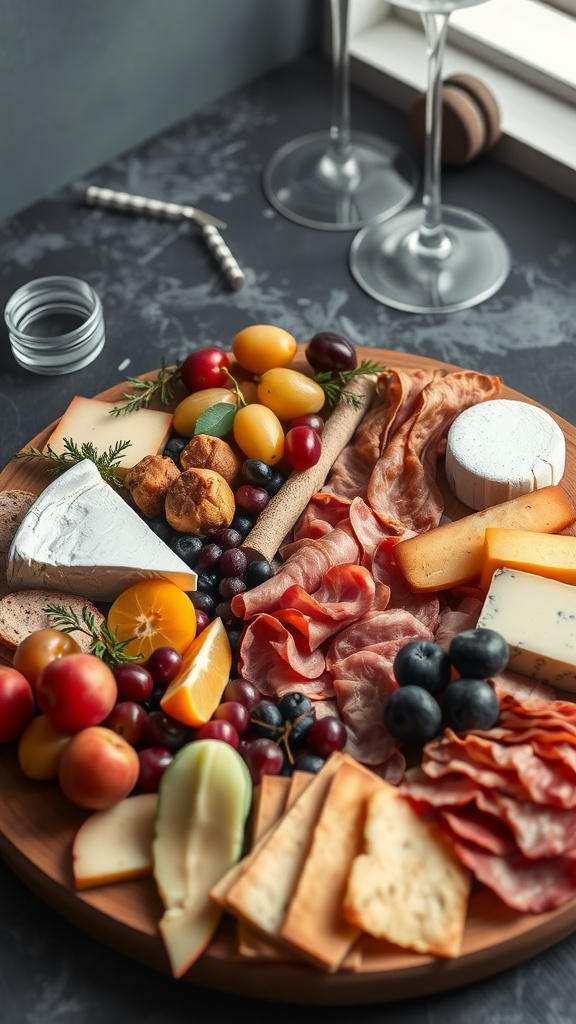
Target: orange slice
x=153 y=613
x=193 y=696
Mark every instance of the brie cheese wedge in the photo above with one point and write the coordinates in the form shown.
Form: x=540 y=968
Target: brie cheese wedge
x=80 y=536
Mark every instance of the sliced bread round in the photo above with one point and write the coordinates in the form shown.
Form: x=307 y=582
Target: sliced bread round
x=22 y=612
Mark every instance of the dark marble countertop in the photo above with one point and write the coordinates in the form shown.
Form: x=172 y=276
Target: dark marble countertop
x=163 y=296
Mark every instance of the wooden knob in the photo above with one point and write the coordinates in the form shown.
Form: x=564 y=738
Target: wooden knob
x=471 y=119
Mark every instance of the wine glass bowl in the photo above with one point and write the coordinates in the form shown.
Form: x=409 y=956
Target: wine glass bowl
x=339 y=179
x=431 y=258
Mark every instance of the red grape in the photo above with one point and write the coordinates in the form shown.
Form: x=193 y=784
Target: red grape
x=160 y=730
x=164 y=665
x=312 y=419
x=243 y=691
x=127 y=719
x=233 y=562
x=328 y=351
x=236 y=713
x=327 y=735
x=219 y=729
x=251 y=499
x=202 y=620
x=263 y=757
x=134 y=682
x=153 y=764
x=302 y=447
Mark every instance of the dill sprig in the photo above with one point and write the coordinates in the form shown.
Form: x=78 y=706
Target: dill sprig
x=143 y=391
x=106 y=463
x=334 y=383
x=104 y=643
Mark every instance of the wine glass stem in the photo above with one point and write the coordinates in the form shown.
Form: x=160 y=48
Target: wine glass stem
x=340 y=143
x=432 y=237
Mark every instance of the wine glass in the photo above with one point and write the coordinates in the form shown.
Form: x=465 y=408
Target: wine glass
x=431 y=258
x=339 y=179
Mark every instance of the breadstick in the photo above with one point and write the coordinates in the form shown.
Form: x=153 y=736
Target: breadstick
x=284 y=509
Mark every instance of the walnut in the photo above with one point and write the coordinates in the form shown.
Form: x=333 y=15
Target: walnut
x=205 y=452
x=148 y=482
x=199 y=501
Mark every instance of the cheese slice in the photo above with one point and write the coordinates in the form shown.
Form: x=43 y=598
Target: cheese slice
x=537 y=618
x=546 y=554
x=80 y=536
x=500 y=449
x=88 y=420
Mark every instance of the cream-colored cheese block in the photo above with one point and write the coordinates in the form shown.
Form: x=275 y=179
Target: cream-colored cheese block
x=88 y=420
x=80 y=536
x=537 y=618
x=115 y=844
x=500 y=449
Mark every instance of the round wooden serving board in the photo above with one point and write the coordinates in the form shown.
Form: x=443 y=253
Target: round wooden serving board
x=37 y=826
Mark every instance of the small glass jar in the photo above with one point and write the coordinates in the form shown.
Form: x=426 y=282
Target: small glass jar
x=55 y=325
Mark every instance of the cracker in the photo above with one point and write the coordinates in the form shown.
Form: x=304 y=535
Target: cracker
x=21 y=613
x=408 y=887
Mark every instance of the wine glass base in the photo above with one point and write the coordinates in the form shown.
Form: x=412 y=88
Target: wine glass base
x=387 y=263
x=305 y=184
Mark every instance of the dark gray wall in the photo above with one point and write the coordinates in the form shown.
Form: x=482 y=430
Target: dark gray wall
x=83 y=80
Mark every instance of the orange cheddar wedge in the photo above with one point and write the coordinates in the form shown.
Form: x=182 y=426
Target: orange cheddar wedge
x=544 y=554
x=452 y=554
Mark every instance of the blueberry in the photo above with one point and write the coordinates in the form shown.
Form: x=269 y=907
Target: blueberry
x=174 y=446
x=470 y=704
x=412 y=714
x=203 y=602
x=422 y=663
x=161 y=527
x=254 y=471
x=266 y=720
x=242 y=524
x=276 y=481
x=234 y=634
x=297 y=731
x=294 y=704
x=258 y=571
x=479 y=653
x=207 y=583
x=308 y=763
x=188 y=547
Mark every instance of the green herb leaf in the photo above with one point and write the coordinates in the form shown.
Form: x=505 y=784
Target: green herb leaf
x=103 y=643
x=144 y=390
x=106 y=463
x=334 y=384
x=216 y=421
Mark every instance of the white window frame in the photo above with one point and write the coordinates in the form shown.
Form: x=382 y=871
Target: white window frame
x=525 y=50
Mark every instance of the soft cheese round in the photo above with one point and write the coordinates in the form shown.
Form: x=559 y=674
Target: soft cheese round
x=500 y=449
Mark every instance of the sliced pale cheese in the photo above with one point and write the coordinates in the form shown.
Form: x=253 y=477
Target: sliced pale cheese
x=80 y=536
x=314 y=922
x=115 y=844
x=451 y=554
x=537 y=618
x=546 y=554
x=89 y=421
x=500 y=449
x=263 y=891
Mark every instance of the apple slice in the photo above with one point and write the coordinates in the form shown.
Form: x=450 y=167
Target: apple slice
x=115 y=844
x=203 y=803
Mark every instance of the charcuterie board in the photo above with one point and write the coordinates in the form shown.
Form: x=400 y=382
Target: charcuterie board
x=37 y=826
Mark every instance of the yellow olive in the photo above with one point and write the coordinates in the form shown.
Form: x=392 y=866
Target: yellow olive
x=263 y=346
x=290 y=393
x=258 y=432
x=190 y=408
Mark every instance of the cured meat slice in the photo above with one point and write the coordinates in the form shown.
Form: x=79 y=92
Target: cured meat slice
x=402 y=489
x=307 y=566
x=529 y=886
x=345 y=595
x=279 y=661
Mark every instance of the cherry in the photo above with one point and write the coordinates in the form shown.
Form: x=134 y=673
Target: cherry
x=203 y=369
x=328 y=351
x=134 y=682
x=302 y=448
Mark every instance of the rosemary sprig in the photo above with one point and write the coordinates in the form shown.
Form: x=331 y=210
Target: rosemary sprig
x=143 y=391
x=334 y=384
x=103 y=642
x=106 y=463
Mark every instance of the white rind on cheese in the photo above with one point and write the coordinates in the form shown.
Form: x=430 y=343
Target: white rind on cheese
x=501 y=449
x=80 y=536
x=537 y=618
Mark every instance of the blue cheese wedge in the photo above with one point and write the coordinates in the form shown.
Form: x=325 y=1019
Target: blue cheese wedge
x=537 y=618
x=80 y=536
x=501 y=449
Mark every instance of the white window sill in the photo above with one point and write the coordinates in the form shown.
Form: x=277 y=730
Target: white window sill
x=388 y=58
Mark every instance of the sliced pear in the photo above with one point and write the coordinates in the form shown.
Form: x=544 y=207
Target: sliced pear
x=115 y=844
x=203 y=803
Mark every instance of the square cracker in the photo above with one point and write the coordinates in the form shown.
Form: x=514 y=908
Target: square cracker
x=408 y=887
